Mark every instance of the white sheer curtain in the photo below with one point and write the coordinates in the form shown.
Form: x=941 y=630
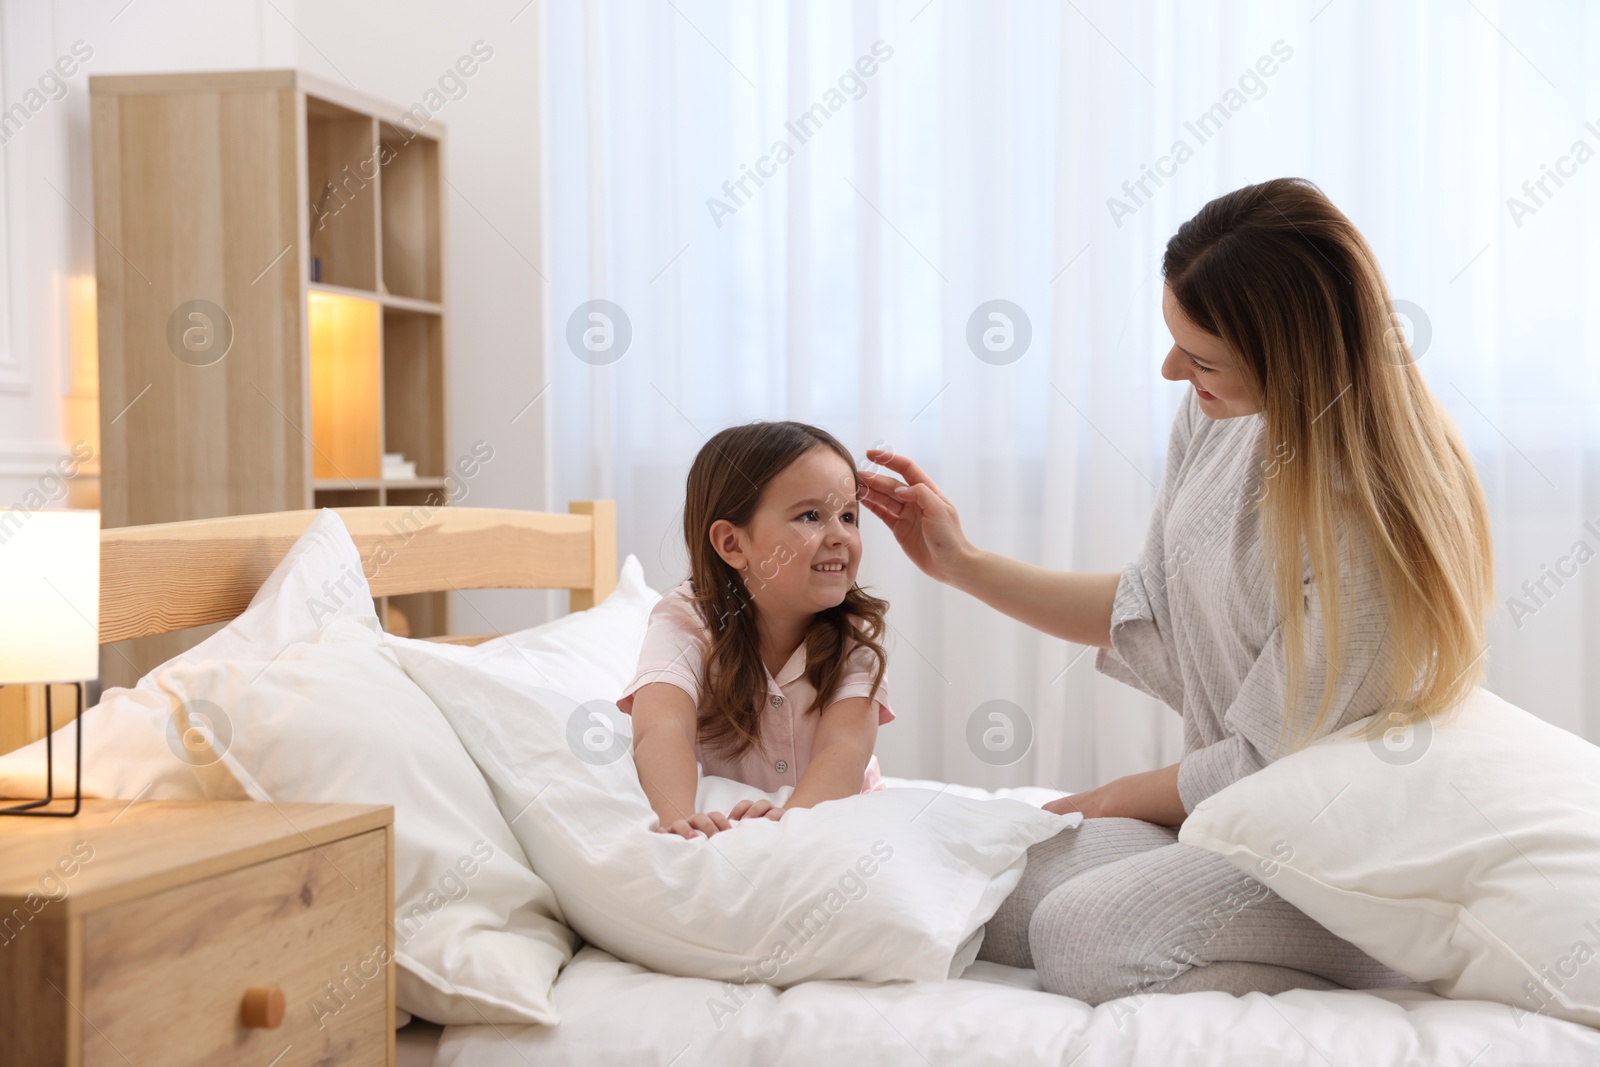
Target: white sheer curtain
x=977 y=162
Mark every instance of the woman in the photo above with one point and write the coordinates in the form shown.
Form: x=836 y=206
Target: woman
x=1308 y=458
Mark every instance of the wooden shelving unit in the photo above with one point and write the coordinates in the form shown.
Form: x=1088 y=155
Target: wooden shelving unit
x=266 y=336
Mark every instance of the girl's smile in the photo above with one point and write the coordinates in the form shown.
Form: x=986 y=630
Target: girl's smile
x=833 y=568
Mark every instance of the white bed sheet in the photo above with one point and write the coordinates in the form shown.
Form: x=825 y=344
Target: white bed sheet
x=619 y=1013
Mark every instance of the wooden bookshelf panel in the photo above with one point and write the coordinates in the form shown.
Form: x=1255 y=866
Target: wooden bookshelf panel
x=411 y=236
x=346 y=387
x=342 y=184
x=209 y=180
x=413 y=389
x=195 y=197
x=428 y=498
x=348 y=498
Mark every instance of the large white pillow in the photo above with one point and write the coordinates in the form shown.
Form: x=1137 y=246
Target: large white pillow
x=478 y=936
x=585 y=655
x=130 y=745
x=135 y=746
x=1465 y=855
x=889 y=885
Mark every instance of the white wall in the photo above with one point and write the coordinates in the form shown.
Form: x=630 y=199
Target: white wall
x=394 y=50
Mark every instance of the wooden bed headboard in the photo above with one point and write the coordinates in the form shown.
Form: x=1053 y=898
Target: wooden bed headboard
x=170 y=576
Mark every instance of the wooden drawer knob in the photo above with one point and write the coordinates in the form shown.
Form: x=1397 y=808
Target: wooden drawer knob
x=262 y=1007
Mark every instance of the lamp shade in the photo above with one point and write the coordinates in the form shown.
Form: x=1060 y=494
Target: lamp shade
x=49 y=596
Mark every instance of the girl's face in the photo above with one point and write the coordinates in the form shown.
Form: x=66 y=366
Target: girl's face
x=802 y=547
x=1204 y=359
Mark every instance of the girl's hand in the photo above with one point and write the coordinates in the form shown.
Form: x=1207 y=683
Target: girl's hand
x=701 y=823
x=922 y=518
x=755 y=809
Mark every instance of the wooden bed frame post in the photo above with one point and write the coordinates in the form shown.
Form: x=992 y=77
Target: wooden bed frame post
x=604 y=515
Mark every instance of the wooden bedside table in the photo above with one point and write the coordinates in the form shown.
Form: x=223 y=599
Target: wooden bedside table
x=205 y=933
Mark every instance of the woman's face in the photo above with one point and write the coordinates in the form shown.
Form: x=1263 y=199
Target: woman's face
x=1203 y=359
x=803 y=545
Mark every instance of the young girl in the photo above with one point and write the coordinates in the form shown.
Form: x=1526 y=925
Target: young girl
x=766 y=665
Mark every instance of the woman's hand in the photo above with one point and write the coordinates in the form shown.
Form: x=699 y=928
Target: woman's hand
x=922 y=518
x=1150 y=795
x=1093 y=803
x=1073 y=607
x=1088 y=803
x=701 y=823
x=755 y=809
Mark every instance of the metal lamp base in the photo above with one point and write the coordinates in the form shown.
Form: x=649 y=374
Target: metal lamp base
x=32 y=807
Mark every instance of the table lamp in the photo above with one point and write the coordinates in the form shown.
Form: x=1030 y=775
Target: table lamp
x=50 y=620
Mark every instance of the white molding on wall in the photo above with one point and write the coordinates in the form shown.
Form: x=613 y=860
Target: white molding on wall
x=29 y=467
x=31 y=459
x=15 y=376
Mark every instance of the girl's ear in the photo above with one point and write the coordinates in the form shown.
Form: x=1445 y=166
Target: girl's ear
x=727 y=540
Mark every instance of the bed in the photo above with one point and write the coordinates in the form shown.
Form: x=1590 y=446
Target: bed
x=159 y=579
x=614 y=1012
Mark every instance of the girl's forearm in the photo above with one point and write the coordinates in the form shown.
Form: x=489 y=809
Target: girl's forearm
x=1072 y=606
x=668 y=772
x=836 y=771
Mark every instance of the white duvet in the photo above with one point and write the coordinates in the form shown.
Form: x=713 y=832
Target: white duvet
x=619 y=1013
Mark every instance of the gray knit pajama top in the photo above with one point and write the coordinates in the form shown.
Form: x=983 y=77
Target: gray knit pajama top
x=1117 y=906
x=1195 y=625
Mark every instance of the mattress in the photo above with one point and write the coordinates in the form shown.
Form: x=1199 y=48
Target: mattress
x=618 y=1013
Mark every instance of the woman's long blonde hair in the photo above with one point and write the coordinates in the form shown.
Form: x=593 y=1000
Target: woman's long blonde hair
x=1287 y=282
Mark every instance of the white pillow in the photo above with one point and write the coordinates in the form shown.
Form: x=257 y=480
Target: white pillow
x=1465 y=855
x=130 y=746
x=883 y=886
x=585 y=655
x=478 y=936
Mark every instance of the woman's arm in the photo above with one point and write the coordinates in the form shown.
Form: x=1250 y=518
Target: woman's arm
x=665 y=724
x=840 y=750
x=1151 y=796
x=1073 y=607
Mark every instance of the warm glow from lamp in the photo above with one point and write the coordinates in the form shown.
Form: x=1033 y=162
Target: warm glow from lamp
x=80 y=408
x=49 y=596
x=346 y=386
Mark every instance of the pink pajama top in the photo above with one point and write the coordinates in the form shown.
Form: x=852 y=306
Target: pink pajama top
x=674 y=644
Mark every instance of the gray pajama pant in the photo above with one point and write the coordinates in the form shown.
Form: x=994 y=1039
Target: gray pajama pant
x=1117 y=908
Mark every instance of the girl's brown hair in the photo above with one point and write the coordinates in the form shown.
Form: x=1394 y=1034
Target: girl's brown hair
x=727 y=481
x=1286 y=280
